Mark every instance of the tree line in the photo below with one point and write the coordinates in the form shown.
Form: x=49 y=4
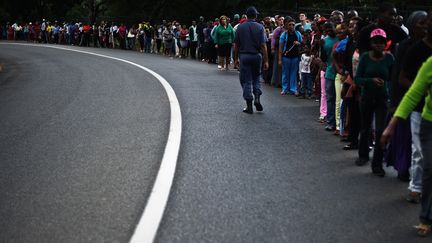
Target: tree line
x=139 y=10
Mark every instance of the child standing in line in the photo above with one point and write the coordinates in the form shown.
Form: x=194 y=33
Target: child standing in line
x=306 y=76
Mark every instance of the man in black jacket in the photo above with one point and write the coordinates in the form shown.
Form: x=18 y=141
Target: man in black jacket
x=386 y=14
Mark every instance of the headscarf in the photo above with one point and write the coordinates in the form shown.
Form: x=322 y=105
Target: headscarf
x=415 y=17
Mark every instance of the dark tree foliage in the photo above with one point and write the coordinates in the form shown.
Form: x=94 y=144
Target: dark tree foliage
x=130 y=11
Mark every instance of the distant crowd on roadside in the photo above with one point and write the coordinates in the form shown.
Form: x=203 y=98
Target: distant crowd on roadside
x=358 y=70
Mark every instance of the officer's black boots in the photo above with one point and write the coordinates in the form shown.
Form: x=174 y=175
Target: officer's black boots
x=257 y=103
x=248 y=108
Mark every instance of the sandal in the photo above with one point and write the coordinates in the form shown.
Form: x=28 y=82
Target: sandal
x=423 y=230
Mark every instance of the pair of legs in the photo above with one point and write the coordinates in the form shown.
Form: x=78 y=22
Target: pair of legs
x=331 y=103
x=371 y=107
x=183 y=48
x=416 y=170
x=193 y=49
x=353 y=120
x=290 y=67
x=426 y=200
x=223 y=62
x=250 y=72
x=338 y=100
x=277 y=72
x=307 y=83
x=224 y=55
x=168 y=48
x=323 y=100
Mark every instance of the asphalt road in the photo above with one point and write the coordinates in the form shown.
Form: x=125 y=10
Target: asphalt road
x=80 y=144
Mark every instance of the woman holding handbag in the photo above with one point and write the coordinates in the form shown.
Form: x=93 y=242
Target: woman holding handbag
x=289 y=56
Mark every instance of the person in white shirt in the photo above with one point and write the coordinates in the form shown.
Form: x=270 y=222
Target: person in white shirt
x=306 y=76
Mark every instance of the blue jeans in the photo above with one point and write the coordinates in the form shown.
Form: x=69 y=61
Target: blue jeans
x=416 y=170
x=426 y=146
x=331 y=102
x=250 y=72
x=307 y=84
x=289 y=74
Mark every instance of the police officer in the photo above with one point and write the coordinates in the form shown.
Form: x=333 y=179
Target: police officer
x=250 y=46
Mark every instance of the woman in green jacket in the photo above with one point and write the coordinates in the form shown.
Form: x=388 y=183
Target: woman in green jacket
x=223 y=37
x=422 y=85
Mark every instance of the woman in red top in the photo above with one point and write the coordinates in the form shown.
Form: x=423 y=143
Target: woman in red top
x=184 y=32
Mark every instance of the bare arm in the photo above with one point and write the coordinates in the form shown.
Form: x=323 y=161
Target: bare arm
x=336 y=66
x=236 y=54
x=264 y=53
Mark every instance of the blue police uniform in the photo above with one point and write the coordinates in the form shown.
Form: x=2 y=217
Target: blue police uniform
x=249 y=37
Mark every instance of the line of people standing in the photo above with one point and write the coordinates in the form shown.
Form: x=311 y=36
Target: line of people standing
x=359 y=71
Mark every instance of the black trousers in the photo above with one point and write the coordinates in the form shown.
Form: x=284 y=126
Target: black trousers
x=354 y=120
x=267 y=75
x=193 y=47
x=426 y=146
x=210 y=51
x=158 y=45
x=370 y=108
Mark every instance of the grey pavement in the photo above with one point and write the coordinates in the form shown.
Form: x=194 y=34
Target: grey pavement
x=276 y=176
x=80 y=144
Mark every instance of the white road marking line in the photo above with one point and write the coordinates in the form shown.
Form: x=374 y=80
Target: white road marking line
x=146 y=230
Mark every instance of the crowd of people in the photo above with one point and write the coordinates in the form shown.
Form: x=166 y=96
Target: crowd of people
x=359 y=71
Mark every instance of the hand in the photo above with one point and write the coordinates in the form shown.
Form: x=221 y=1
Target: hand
x=236 y=63
x=272 y=51
x=378 y=82
x=216 y=46
x=297 y=43
x=388 y=132
x=386 y=136
x=280 y=63
x=266 y=66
